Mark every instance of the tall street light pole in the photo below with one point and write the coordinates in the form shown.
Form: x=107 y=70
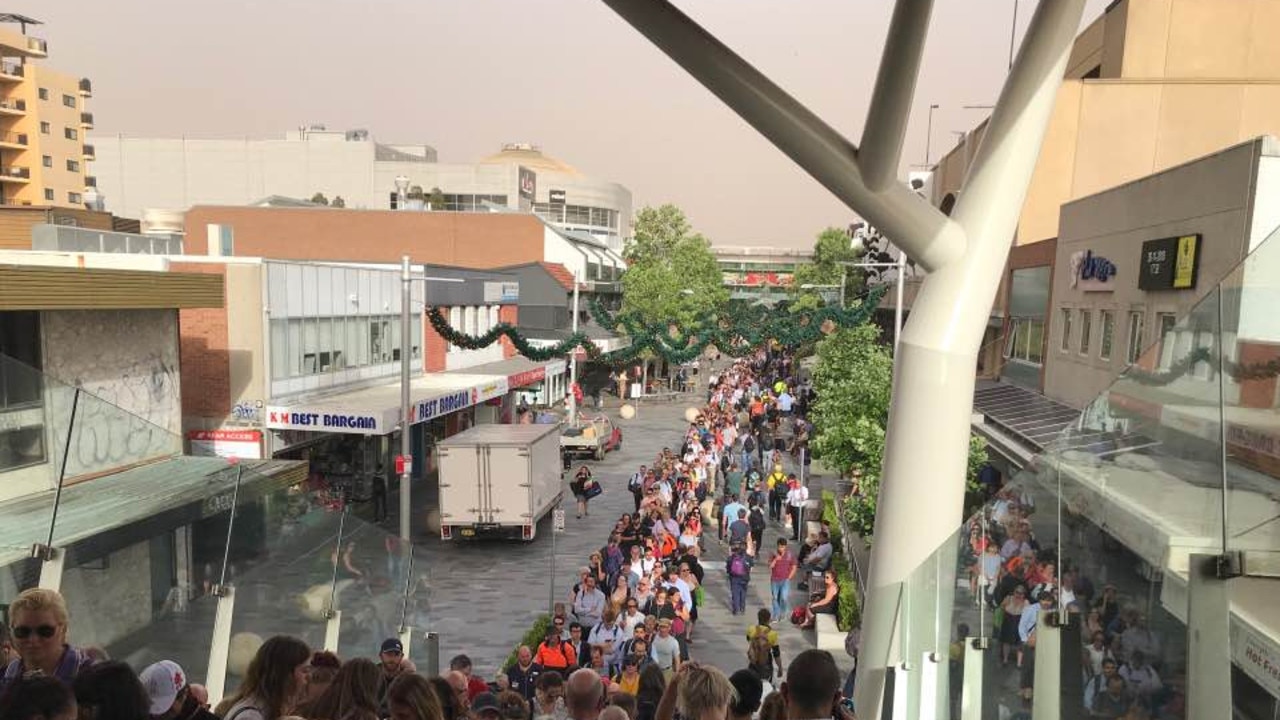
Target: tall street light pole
x=1013 y=32
x=928 y=138
x=406 y=448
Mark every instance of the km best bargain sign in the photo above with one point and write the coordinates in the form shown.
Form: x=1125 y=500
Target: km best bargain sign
x=365 y=421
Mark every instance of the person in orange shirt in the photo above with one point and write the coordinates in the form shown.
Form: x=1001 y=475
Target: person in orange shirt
x=554 y=654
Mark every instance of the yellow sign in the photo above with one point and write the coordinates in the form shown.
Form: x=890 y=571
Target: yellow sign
x=1184 y=268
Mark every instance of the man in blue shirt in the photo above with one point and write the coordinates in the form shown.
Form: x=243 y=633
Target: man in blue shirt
x=729 y=514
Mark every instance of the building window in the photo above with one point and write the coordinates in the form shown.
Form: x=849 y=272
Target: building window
x=1025 y=341
x=1066 y=329
x=22 y=433
x=319 y=345
x=48 y=194
x=1107 y=319
x=45 y=128
x=1086 y=319
x=73 y=166
x=46 y=160
x=1134 y=350
x=455 y=321
x=44 y=93
x=74 y=198
x=1165 y=323
x=71 y=133
x=69 y=100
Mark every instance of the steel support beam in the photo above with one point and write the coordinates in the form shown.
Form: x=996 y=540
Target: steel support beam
x=928 y=236
x=886 y=128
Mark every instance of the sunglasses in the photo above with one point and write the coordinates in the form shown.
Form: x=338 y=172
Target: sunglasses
x=22 y=632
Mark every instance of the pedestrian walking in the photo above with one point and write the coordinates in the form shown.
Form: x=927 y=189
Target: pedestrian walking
x=782 y=568
x=797 y=497
x=738 y=567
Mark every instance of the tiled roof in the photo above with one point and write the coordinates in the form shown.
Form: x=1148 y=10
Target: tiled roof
x=560 y=273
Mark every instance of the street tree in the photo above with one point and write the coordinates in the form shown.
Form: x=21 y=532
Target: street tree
x=319 y=199
x=853 y=378
x=338 y=202
x=671 y=276
x=832 y=247
x=436 y=199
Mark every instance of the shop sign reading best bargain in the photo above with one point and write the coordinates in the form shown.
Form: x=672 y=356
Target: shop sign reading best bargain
x=327 y=419
x=442 y=405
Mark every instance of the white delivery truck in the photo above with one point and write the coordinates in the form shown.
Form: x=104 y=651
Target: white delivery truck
x=499 y=480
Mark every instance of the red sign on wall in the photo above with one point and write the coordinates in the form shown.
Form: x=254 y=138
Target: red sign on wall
x=528 y=377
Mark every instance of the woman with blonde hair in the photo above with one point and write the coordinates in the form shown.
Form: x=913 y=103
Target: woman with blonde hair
x=38 y=625
x=411 y=697
x=701 y=692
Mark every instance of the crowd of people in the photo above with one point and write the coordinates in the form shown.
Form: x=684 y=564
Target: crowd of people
x=617 y=648
x=1016 y=577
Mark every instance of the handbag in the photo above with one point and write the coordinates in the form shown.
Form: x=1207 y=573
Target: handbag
x=591 y=488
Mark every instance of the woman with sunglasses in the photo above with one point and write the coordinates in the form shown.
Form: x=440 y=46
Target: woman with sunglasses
x=38 y=623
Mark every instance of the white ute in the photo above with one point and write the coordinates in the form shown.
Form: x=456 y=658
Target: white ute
x=499 y=480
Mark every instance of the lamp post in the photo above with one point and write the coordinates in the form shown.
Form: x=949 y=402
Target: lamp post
x=928 y=138
x=901 y=265
x=406 y=352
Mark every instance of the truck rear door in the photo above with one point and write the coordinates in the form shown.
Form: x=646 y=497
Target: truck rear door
x=461 y=485
x=508 y=496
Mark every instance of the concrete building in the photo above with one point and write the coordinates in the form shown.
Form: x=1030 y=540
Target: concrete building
x=89 y=363
x=43 y=155
x=1150 y=84
x=759 y=271
x=139 y=175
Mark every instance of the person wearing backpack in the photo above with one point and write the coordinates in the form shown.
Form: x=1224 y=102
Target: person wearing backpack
x=738 y=567
x=755 y=519
x=764 y=655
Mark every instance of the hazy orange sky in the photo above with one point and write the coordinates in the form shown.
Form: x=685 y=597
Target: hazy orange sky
x=468 y=75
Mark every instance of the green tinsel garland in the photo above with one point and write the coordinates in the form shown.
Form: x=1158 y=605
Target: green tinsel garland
x=1236 y=371
x=735 y=332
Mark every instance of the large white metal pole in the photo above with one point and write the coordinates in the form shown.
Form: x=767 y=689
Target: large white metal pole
x=934 y=368
x=573 y=360
x=406 y=447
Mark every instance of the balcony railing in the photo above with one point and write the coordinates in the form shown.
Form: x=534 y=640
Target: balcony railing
x=12 y=69
x=13 y=138
x=86 y=87
x=89 y=152
x=15 y=104
x=86 y=119
x=38 y=45
x=16 y=171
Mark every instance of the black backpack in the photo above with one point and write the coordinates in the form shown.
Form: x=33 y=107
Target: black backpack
x=756 y=519
x=749 y=444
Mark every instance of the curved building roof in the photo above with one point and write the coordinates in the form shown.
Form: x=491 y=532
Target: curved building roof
x=531 y=157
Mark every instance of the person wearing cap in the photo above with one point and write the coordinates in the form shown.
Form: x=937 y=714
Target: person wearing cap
x=169 y=693
x=393 y=664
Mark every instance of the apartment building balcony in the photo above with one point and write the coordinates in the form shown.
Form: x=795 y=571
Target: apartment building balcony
x=86 y=120
x=21 y=44
x=88 y=153
x=13 y=106
x=86 y=88
x=15 y=174
x=11 y=71
x=13 y=140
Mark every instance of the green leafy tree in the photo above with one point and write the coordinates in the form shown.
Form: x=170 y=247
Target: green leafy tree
x=436 y=199
x=319 y=199
x=338 y=202
x=832 y=247
x=853 y=378
x=671 y=274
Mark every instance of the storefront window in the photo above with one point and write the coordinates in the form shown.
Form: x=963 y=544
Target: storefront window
x=1107 y=319
x=1135 y=337
x=1025 y=341
x=1066 y=329
x=21 y=416
x=1086 y=319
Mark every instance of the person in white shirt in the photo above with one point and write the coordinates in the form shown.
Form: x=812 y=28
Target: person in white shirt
x=1027 y=623
x=797 y=496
